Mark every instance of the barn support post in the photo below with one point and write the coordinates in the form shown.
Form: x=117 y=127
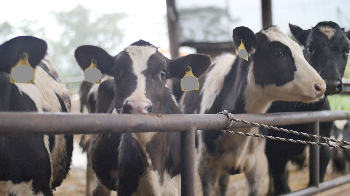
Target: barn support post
x=314 y=165
x=266 y=12
x=173 y=32
x=188 y=163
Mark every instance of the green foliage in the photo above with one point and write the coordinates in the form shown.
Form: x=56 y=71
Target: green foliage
x=25 y=28
x=339 y=102
x=205 y=24
x=78 y=29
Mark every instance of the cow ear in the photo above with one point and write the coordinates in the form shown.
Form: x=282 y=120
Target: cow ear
x=299 y=34
x=245 y=35
x=86 y=54
x=13 y=50
x=198 y=62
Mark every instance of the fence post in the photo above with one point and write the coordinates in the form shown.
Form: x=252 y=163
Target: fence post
x=314 y=164
x=188 y=163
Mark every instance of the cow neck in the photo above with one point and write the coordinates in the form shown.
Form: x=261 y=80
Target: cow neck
x=256 y=100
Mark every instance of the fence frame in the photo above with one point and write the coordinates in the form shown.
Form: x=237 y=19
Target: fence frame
x=13 y=123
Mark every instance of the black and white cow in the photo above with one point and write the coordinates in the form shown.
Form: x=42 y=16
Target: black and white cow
x=340 y=158
x=326 y=49
x=138 y=163
x=32 y=164
x=275 y=70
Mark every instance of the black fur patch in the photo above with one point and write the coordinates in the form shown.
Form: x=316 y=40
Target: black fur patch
x=142 y=43
x=132 y=164
x=273 y=63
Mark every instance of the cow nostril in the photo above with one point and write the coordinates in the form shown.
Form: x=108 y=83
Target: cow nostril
x=317 y=87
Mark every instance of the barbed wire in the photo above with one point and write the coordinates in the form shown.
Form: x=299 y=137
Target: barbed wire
x=232 y=119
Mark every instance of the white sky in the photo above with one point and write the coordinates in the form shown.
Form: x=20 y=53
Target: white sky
x=146 y=17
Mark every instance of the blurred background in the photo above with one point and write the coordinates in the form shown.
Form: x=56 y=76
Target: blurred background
x=113 y=25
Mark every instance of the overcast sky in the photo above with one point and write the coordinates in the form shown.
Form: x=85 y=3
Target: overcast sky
x=147 y=17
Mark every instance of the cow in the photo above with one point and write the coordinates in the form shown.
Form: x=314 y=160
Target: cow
x=32 y=164
x=340 y=158
x=275 y=70
x=326 y=48
x=138 y=163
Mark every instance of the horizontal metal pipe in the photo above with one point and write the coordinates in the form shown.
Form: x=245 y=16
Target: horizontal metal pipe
x=95 y=123
x=12 y=123
x=322 y=186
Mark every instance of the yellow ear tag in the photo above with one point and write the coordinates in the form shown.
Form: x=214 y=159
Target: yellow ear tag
x=92 y=73
x=189 y=82
x=22 y=72
x=242 y=52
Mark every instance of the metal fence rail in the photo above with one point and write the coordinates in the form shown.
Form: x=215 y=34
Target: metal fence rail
x=13 y=123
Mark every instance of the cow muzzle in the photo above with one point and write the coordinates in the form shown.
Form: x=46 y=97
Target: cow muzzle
x=135 y=107
x=334 y=86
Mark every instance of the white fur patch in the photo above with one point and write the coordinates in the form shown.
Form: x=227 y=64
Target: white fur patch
x=214 y=80
x=47 y=144
x=44 y=91
x=149 y=184
x=144 y=138
x=23 y=188
x=328 y=31
x=139 y=56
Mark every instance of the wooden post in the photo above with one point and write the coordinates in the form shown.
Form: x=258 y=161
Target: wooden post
x=172 y=28
x=173 y=31
x=266 y=12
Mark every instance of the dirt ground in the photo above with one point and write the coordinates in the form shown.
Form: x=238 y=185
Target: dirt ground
x=75 y=183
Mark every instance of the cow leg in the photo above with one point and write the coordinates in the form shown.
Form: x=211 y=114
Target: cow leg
x=325 y=155
x=90 y=180
x=256 y=167
x=325 y=152
x=279 y=180
x=207 y=174
x=101 y=190
x=222 y=186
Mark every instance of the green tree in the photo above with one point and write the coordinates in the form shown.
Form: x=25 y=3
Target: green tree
x=205 y=24
x=78 y=29
x=25 y=28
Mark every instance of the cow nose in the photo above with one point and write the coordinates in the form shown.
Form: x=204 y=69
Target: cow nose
x=333 y=86
x=320 y=89
x=137 y=107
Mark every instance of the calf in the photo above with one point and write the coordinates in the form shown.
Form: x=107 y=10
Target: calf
x=275 y=70
x=32 y=164
x=341 y=158
x=326 y=48
x=138 y=163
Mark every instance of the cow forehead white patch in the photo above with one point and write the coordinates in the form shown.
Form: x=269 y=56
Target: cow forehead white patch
x=328 y=31
x=139 y=56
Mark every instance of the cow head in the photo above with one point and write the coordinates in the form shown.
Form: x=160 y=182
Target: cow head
x=278 y=67
x=140 y=72
x=327 y=50
x=13 y=50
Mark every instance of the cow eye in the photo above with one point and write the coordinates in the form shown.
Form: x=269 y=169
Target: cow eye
x=310 y=50
x=162 y=75
x=278 y=53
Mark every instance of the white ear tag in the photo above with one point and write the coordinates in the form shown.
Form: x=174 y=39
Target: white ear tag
x=92 y=74
x=189 y=82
